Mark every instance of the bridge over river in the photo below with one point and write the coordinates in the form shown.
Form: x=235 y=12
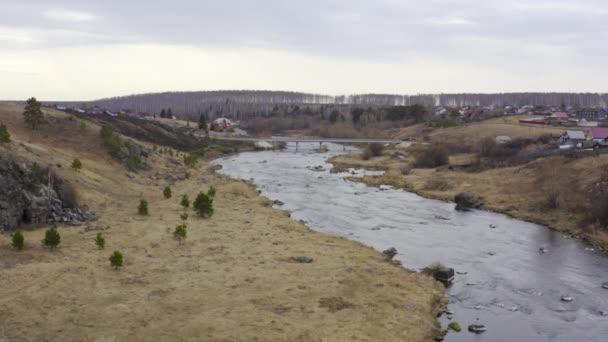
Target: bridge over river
x=309 y=140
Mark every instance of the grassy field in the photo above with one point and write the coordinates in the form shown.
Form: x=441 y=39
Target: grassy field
x=520 y=191
x=232 y=280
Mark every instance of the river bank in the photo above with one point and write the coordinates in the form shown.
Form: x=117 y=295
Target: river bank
x=236 y=277
x=513 y=191
x=503 y=280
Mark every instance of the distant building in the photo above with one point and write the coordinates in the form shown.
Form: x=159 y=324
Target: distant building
x=222 y=124
x=573 y=137
x=599 y=135
x=593 y=114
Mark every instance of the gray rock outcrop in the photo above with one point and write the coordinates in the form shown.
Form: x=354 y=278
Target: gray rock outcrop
x=27 y=198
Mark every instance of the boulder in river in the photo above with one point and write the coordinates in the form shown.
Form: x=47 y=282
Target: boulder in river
x=477 y=328
x=390 y=253
x=467 y=200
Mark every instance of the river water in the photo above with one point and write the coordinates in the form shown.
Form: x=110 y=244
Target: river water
x=504 y=281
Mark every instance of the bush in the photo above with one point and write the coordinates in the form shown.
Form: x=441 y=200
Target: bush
x=375 y=149
x=142 y=209
x=5 y=136
x=185 y=202
x=372 y=150
x=180 y=232
x=167 y=192
x=431 y=157
x=111 y=140
x=203 y=205
x=76 y=164
x=116 y=260
x=52 y=239
x=18 y=240
x=191 y=160
x=454 y=326
x=100 y=241
x=549 y=200
x=184 y=216
x=598 y=212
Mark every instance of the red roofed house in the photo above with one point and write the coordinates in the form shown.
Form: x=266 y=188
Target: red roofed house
x=599 y=134
x=559 y=116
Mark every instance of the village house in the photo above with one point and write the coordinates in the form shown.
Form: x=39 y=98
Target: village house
x=599 y=135
x=222 y=124
x=592 y=114
x=558 y=118
x=572 y=137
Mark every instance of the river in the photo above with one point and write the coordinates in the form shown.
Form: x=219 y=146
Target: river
x=503 y=279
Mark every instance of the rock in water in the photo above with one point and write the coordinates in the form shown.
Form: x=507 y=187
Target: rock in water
x=477 y=328
x=467 y=200
x=390 y=253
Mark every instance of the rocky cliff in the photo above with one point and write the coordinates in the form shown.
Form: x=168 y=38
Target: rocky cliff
x=31 y=195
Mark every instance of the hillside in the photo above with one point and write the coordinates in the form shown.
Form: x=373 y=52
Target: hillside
x=232 y=279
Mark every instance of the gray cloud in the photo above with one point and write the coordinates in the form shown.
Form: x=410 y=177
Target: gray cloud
x=385 y=29
x=518 y=38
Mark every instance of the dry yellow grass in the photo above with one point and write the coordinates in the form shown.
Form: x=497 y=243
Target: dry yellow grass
x=232 y=279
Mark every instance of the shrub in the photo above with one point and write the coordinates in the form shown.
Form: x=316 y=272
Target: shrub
x=203 y=205
x=549 y=200
x=111 y=140
x=167 y=192
x=185 y=202
x=454 y=326
x=52 y=239
x=211 y=192
x=116 y=260
x=191 y=160
x=431 y=157
x=372 y=150
x=180 y=232
x=76 y=164
x=184 y=216
x=376 y=149
x=142 y=209
x=598 y=212
x=5 y=136
x=18 y=240
x=100 y=241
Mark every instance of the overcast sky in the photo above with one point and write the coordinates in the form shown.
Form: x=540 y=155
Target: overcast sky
x=81 y=49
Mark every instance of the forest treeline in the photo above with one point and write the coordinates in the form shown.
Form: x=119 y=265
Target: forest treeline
x=243 y=104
